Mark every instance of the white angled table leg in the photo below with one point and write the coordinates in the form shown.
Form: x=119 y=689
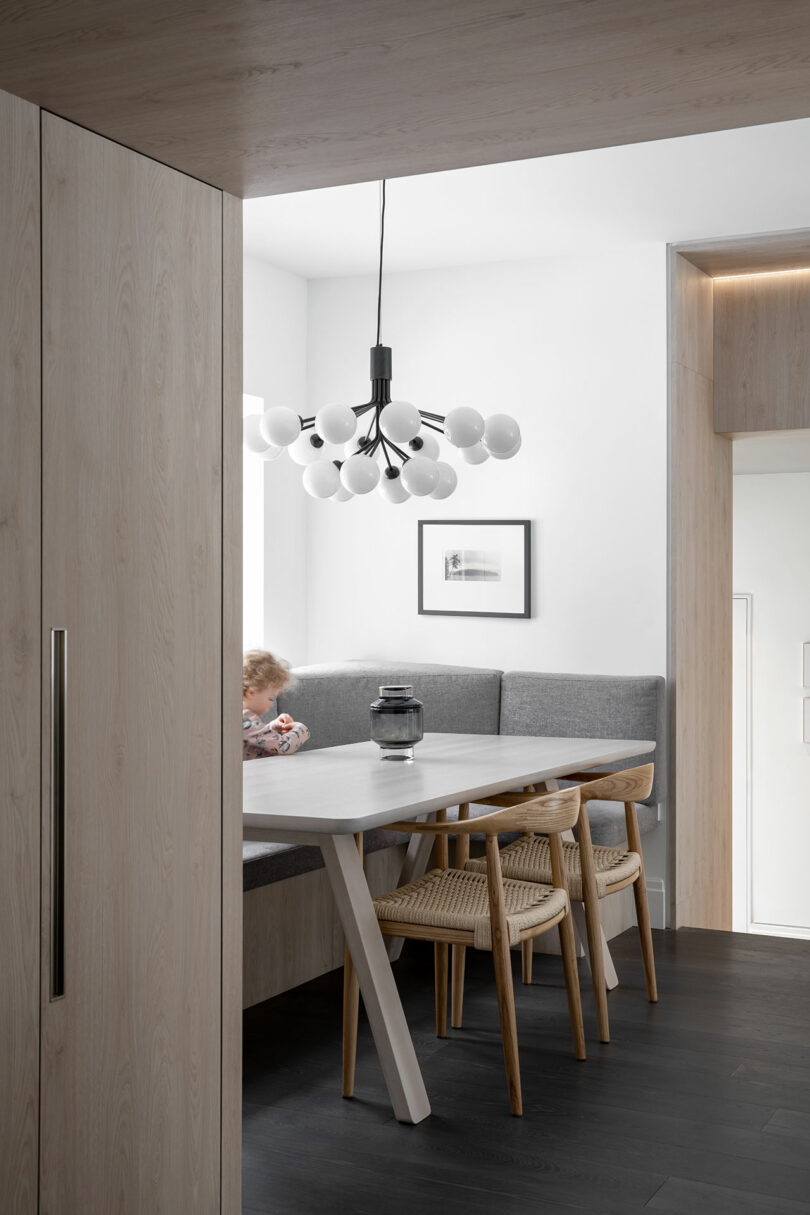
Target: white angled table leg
x=392 y=1038
x=578 y=916
x=413 y=867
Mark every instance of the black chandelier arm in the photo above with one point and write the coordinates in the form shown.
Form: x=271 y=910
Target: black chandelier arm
x=439 y=429
x=403 y=455
x=431 y=417
x=384 y=446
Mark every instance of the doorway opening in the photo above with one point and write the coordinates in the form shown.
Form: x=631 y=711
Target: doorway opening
x=771 y=637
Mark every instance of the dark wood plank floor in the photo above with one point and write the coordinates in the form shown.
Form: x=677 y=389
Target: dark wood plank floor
x=700 y=1105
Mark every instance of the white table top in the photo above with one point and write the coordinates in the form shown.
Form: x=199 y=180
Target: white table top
x=342 y=790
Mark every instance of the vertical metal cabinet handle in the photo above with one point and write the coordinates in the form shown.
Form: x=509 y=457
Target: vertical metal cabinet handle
x=58 y=694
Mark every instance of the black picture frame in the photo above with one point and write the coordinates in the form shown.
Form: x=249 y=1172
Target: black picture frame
x=525 y=524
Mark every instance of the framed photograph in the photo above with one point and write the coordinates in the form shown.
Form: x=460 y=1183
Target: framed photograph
x=475 y=567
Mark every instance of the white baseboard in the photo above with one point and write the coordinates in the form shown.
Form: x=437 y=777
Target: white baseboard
x=656 y=897
x=780 y=930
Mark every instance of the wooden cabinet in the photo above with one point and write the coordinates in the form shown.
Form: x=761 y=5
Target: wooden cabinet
x=140 y=405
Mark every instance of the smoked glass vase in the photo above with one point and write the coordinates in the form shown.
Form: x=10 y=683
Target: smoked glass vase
x=396 y=722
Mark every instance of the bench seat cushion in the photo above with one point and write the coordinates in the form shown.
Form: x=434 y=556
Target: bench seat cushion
x=265 y=863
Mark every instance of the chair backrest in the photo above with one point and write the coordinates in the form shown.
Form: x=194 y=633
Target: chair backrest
x=545 y=813
x=632 y=785
x=590 y=706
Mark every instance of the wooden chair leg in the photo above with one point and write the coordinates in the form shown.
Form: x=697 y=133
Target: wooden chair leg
x=642 y=908
x=503 y=975
x=351 y=1009
x=593 y=924
x=645 y=936
x=569 y=959
x=459 y=954
x=351 y=1012
x=440 y=974
x=527 y=955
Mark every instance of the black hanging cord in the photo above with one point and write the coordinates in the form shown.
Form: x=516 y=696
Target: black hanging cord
x=382 y=241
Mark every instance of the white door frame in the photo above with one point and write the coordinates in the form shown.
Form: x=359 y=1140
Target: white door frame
x=742 y=815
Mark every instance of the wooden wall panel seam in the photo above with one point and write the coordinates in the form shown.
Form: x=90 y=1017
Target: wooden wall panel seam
x=20 y=615
x=231 y=1046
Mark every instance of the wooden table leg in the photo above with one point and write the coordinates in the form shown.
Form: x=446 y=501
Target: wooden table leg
x=413 y=867
x=392 y=1038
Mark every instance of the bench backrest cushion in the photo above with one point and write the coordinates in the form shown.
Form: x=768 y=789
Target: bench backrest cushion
x=333 y=700
x=590 y=706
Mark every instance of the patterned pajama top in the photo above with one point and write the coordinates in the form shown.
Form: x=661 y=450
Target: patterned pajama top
x=260 y=739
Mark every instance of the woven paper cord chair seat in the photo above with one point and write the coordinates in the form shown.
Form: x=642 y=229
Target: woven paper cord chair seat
x=455 y=898
x=529 y=860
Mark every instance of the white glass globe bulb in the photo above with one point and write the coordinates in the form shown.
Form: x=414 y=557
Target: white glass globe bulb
x=308 y=448
x=448 y=480
x=501 y=434
x=335 y=423
x=507 y=455
x=253 y=438
x=463 y=426
x=427 y=445
x=359 y=474
x=280 y=426
x=392 y=489
x=272 y=453
x=400 y=421
x=342 y=495
x=321 y=480
x=477 y=454
x=420 y=476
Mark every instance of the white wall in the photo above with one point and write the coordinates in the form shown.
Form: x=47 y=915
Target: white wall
x=275 y=344
x=576 y=350
x=771 y=515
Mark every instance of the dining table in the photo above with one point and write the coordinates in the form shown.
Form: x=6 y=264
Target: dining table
x=325 y=797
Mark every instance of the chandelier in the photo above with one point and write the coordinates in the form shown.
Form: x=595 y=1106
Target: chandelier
x=383 y=444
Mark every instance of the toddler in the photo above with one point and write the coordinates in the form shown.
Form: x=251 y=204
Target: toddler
x=264 y=678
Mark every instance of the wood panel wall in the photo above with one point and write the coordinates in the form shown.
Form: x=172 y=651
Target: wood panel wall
x=20 y=422
x=761 y=343
x=700 y=612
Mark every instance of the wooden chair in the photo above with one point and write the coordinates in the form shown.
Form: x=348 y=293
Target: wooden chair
x=459 y=907
x=593 y=873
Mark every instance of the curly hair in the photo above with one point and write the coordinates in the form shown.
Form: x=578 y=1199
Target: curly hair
x=261 y=669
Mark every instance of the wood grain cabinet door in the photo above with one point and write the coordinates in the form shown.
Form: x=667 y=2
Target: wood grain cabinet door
x=132 y=572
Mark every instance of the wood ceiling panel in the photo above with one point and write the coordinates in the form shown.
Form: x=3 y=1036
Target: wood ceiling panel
x=266 y=96
x=762 y=254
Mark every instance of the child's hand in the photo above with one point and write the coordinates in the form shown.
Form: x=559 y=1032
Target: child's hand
x=283 y=723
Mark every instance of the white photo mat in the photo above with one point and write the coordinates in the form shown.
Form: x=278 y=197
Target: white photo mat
x=475 y=567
